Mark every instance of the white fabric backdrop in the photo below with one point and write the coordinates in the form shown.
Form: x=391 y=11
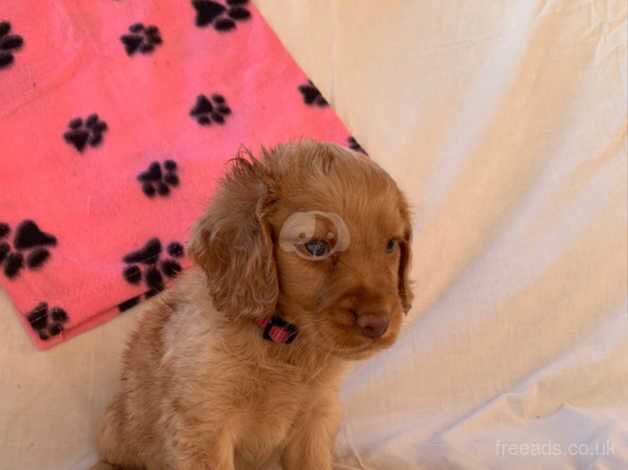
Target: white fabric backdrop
x=505 y=122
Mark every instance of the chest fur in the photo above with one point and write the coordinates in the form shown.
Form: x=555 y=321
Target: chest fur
x=269 y=417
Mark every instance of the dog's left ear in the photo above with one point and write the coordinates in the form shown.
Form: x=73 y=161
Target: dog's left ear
x=405 y=285
x=232 y=242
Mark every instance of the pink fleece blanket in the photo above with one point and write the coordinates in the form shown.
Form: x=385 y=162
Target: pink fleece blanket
x=116 y=119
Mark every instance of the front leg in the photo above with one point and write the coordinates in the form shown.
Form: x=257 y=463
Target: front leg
x=199 y=444
x=311 y=444
x=211 y=457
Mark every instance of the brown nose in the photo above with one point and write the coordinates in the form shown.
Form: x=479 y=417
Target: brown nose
x=373 y=325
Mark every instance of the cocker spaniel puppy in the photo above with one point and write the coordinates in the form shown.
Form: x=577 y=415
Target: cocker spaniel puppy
x=301 y=265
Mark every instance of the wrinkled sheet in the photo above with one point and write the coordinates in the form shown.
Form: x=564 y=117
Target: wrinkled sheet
x=505 y=122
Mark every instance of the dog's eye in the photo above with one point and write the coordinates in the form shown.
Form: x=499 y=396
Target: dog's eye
x=390 y=246
x=317 y=248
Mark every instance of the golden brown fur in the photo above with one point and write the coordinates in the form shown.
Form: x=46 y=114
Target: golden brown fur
x=201 y=389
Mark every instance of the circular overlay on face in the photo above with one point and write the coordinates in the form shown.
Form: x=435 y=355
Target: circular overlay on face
x=314 y=235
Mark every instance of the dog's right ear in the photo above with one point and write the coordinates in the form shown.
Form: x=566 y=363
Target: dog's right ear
x=405 y=285
x=232 y=242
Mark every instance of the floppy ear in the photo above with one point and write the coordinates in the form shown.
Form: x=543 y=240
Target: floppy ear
x=405 y=285
x=232 y=242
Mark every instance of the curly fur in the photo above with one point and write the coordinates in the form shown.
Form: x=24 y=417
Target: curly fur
x=200 y=387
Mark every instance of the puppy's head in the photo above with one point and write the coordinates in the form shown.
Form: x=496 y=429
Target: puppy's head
x=317 y=234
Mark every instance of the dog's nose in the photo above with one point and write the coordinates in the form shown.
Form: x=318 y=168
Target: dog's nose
x=373 y=325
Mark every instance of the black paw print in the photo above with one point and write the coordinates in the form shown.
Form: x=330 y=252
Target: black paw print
x=28 y=246
x=155 y=181
x=155 y=268
x=142 y=39
x=47 y=322
x=221 y=17
x=206 y=111
x=9 y=43
x=354 y=145
x=83 y=133
x=311 y=95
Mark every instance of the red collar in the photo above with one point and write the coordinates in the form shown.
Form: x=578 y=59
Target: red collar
x=277 y=330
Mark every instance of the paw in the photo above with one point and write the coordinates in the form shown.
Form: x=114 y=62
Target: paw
x=29 y=248
x=206 y=111
x=82 y=133
x=354 y=145
x=141 y=38
x=311 y=95
x=221 y=17
x=47 y=322
x=9 y=43
x=146 y=264
x=159 y=178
